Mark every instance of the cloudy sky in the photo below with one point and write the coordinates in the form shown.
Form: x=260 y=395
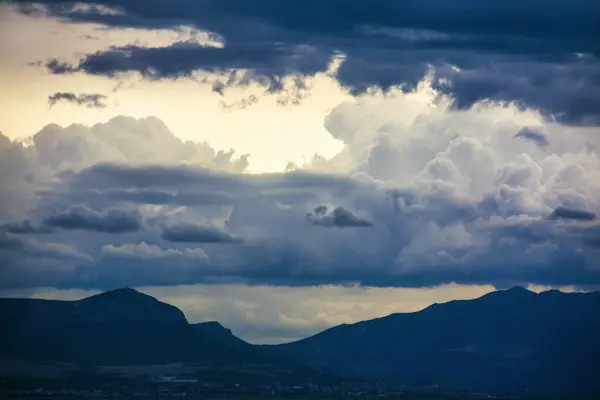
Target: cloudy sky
x=283 y=167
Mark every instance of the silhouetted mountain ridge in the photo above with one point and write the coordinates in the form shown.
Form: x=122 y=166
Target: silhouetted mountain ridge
x=124 y=327
x=119 y=327
x=509 y=341
x=505 y=339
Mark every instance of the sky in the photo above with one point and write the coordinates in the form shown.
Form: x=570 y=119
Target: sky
x=284 y=167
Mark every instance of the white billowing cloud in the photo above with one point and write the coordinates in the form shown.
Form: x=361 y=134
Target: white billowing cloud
x=426 y=195
x=126 y=140
x=436 y=246
x=31 y=164
x=418 y=140
x=15 y=170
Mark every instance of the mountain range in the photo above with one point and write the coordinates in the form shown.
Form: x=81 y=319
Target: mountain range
x=511 y=341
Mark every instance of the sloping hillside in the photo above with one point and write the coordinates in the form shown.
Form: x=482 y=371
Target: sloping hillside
x=505 y=340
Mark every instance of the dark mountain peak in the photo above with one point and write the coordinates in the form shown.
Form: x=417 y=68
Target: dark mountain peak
x=125 y=294
x=128 y=306
x=124 y=290
x=517 y=290
x=515 y=293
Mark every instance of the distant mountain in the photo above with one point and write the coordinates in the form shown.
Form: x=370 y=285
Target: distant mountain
x=511 y=340
x=127 y=328
x=120 y=327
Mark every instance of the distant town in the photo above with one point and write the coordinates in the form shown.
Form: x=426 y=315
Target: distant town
x=183 y=387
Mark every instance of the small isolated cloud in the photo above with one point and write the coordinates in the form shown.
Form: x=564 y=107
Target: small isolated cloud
x=240 y=104
x=568 y=213
x=340 y=217
x=147 y=252
x=112 y=220
x=95 y=9
x=194 y=233
x=25 y=227
x=94 y=100
x=534 y=136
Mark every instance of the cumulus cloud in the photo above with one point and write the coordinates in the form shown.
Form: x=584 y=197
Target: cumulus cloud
x=126 y=139
x=26 y=166
x=194 y=233
x=447 y=194
x=111 y=220
x=95 y=100
x=16 y=171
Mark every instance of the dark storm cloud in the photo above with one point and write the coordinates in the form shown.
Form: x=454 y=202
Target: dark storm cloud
x=162 y=197
x=566 y=88
x=181 y=59
x=535 y=19
x=83 y=99
x=409 y=242
x=540 y=54
x=194 y=233
x=27 y=264
x=155 y=177
x=567 y=213
x=111 y=220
